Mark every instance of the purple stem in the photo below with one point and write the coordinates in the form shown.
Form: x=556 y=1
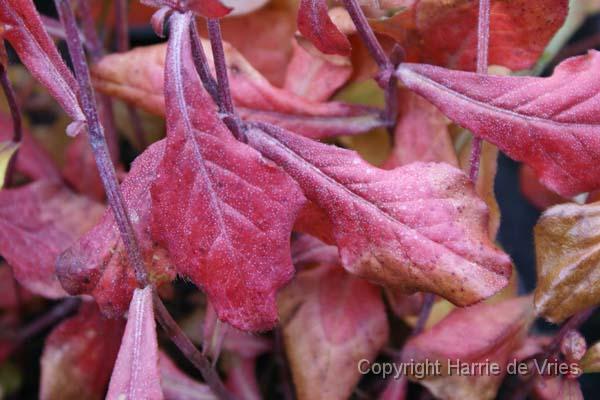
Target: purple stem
x=98 y=142
x=483 y=41
x=15 y=113
x=224 y=93
x=96 y=49
x=201 y=64
x=386 y=78
x=117 y=203
x=201 y=362
x=428 y=301
x=57 y=313
x=216 y=43
x=367 y=35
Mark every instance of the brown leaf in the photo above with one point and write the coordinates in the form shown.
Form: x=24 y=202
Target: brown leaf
x=591 y=361
x=331 y=321
x=500 y=329
x=566 y=244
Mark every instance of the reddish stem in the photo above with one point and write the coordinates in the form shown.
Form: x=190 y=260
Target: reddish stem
x=201 y=63
x=386 y=78
x=98 y=142
x=483 y=41
x=117 y=203
x=201 y=362
x=15 y=113
x=57 y=313
x=367 y=35
x=224 y=93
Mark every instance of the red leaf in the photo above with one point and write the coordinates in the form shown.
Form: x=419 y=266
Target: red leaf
x=314 y=23
x=25 y=31
x=138 y=77
x=136 y=374
x=418 y=227
x=80 y=169
x=551 y=124
x=234 y=208
x=97 y=263
x=206 y=8
x=37 y=223
x=445 y=32
x=535 y=192
x=331 y=321
x=33 y=160
x=79 y=356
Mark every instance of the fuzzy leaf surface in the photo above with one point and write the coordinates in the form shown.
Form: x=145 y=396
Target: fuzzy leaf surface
x=136 y=374
x=314 y=23
x=418 y=227
x=224 y=212
x=24 y=30
x=551 y=124
x=97 y=263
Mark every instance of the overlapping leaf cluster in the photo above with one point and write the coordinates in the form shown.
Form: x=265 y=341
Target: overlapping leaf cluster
x=280 y=230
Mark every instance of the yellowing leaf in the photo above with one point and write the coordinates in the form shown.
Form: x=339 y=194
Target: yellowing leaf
x=567 y=251
x=7 y=151
x=591 y=360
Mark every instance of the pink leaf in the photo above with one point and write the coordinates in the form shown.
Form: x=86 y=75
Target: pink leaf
x=24 y=29
x=418 y=227
x=421 y=133
x=233 y=208
x=97 y=264
x=241 y=379
x=314 y=78
x=331 y=321
x=178 y=386
x=314 y=23
x=79 y=356
x=138 y=77
x=485 y=333
x=37 y=223
x=551 y=124
x=136 y=374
